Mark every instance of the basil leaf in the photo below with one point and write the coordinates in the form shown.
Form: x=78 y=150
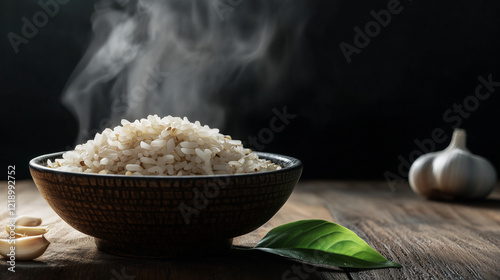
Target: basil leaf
x=323 y=243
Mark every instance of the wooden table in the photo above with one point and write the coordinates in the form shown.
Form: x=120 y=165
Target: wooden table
x=432 y=240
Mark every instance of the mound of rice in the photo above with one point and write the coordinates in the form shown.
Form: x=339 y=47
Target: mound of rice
x=162 y=146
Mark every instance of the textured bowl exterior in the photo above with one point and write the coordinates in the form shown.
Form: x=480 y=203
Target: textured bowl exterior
x=165 y=216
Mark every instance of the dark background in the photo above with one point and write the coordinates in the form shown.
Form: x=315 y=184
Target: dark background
x=353 y=119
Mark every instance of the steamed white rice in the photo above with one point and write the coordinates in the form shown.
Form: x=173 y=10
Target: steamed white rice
x=162 y=146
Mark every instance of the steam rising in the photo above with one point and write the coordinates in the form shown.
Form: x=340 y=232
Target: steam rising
x=182 y=58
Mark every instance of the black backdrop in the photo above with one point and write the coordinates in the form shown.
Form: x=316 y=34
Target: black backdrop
x=355 y=120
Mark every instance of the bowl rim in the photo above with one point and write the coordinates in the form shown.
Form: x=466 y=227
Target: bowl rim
x=294 y=164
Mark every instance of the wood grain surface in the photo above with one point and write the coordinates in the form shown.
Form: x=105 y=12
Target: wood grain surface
x=431 y=239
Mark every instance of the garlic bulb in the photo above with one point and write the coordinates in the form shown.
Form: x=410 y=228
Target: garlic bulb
x=453 y=173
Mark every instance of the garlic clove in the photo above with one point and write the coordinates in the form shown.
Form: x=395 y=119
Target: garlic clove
x=422 y=185
x=26 y=231
x=25 y=248
x=28 y=221
x=486 y=183
x=447 y=169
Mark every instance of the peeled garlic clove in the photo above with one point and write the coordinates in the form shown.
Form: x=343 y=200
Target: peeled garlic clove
x=453 y=173
x=26 y=231
x=25 y=248
x=28 y=221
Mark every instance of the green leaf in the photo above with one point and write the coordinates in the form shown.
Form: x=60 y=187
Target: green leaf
x=323 y=243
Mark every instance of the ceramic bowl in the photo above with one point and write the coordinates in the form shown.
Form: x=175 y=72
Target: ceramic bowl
x=165 y=216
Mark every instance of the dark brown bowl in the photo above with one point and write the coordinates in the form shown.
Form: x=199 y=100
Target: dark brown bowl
x=166 y=216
